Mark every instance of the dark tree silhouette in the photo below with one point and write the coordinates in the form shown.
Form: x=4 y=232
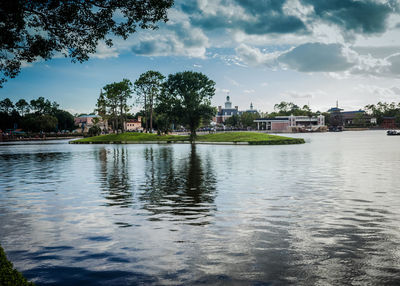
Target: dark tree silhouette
x=32 y=29
x=190 y=95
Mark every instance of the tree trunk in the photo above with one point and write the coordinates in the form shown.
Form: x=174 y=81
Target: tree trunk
x=192 y=134
x=151 y=114
x=145 y=114
x=122 y=119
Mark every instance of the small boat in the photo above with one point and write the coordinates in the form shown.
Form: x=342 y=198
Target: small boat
x=393 y=132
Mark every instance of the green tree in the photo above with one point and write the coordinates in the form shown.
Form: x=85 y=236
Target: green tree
x=39 y=29
x=166 y=111
x=8 y=274
x=191 y=93
x=94 y=130
x=65 y=120
x=22 y=106
x=233 y=121
x=43 y=106
x=359 y=120
x=163 y=122
x=247 y=119
x=6 y=106
x=47 y=123
x=111 y=100
x=117 y=95
x=40 y=122
x=101 y=106
x=148 y=88
x=289 y=108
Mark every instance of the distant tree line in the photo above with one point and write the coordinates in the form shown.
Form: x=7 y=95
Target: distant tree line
x=181 y=99
x=289 y=108
x=243 y=121
x=383 y=109
x=38 y=115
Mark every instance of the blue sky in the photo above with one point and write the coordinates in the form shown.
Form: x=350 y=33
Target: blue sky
x=260 y=51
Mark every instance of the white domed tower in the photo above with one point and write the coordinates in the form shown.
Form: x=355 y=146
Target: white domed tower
x=228 y=103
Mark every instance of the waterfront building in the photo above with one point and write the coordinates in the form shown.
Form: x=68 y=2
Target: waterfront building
x=389 y=122
x=251 y=110
x=85 y=122
x=290 y=123
x=341 y=118
x=134 y=124
x=228 y=111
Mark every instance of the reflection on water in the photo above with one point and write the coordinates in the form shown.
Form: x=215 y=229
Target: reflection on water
x=323 y=213
x=114 y=172
x=183 y=188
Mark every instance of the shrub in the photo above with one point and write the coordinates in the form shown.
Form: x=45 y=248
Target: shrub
x=94 y=130
x=8 y=275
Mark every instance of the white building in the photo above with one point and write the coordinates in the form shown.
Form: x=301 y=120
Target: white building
x=228 y=111
x=290 y=123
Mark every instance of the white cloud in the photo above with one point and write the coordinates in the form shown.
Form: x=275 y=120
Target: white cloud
x=383 y=93
x=254 y=57
x=25 y=64
x=248 y=91
x=103 y=51
x=232 y=81
x=304 y=95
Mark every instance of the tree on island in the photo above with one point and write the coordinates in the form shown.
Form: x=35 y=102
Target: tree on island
x=189 y=94
x=148 y=88
x=115 y=102
x=36 y=29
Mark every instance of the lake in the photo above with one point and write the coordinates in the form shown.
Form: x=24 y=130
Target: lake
x=324 y=212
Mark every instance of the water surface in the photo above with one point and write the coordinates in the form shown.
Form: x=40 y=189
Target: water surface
x=325 y=212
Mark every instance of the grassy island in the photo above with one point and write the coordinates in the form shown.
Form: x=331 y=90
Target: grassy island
x=245 y=138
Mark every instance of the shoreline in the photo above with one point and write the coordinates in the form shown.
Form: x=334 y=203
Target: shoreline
x=289 y=142
x=40 y=139
x=234 y=138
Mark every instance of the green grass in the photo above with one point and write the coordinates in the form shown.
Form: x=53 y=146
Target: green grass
x=8 y=275
x=138 y=137
x=252 y=138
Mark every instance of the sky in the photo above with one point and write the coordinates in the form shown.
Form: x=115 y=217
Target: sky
x=261 y=51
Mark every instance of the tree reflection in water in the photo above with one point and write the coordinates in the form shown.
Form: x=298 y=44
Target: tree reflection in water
x=114 y=177
x=167 y=185
x=184 y=190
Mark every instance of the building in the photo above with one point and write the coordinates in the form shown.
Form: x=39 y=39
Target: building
x=290 y=123
x=134 y=124
x=84 y=122
x=228 y=111
x=389 y=123
x=340 y=118
x=251 y=110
